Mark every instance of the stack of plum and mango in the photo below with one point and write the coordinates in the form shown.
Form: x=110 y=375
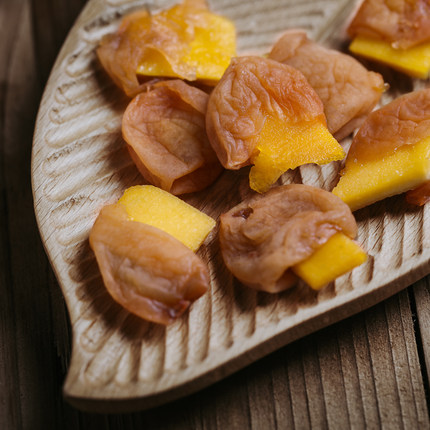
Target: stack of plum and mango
x=199 y=109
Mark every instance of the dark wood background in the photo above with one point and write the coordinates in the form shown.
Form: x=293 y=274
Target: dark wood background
x=369 y=371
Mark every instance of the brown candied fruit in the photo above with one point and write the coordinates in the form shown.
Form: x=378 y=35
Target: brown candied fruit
x=348 y=91
x=404 y=121
x=265 y=113
x=263 y=238
x=147 y=271
x=389 y=154
x=186 y=41
x=402 y=23
x=166 y=136
x=120 y=52
x=420 y=195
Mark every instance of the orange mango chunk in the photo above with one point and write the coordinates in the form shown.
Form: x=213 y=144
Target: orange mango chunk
x=337 y=256
x=206 y=54
x=284 y=146
x=394 y=172
x=390 y=153
x=151 y=205
x=414 y=61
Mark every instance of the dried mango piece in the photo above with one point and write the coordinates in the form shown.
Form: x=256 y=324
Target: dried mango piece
x=348 y=91
x=185 y=41
x=414 y=61
x=283 y=146
x=390 y=153
x=151 y=205
x=401 y=23
x=339 y=255
x=144 y=268
x=208 y=54
x=263 y=239
x=167 y=140
x=366 y=182
x=262 y=108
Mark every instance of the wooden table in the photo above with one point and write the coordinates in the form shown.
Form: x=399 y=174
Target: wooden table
x=369 y=371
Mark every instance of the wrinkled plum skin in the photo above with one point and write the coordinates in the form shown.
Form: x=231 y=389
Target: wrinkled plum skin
x=419 y=196
x=167 y=140
x=402 y=23
x=404 y=121
x=348 y=91
x=250 y=89
x=167 y=34
x=262 y=238
x=147 y=271
x=120 y=52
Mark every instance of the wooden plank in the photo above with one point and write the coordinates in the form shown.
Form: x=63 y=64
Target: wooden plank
x=29 y=367
x=31 y=301
x=333 y=380
x=406 y=361
x=51 y=20
x=422 y=305
x=12 y=209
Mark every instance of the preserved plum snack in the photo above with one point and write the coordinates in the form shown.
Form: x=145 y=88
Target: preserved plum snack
x=264 y=238
x=401 y=23
x=265 y=113
x=186 y=41
x=166 y=136
x=396 y=33
x=390 y=154
x=145 y=255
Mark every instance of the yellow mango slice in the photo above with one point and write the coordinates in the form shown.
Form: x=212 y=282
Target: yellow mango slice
x=153 y=206
x=414 y=61
x=337 y=256
x=284 y=146
x=209 y=51
x=212 y=48
x=365 y=182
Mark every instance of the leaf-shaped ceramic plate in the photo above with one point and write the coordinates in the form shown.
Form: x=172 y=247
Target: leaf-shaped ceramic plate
x=80 y=164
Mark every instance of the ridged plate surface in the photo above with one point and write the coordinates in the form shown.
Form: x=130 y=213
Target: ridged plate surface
x=80 y=164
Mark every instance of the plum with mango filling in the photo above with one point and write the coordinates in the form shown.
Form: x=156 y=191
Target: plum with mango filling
x=185 y=41
x=395 y=33
x=390 y=154
x=263 y=239
x=144 y=248
x=401 y=23
x=265 y=113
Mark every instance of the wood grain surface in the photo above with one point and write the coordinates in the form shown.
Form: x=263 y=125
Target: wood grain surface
x=368 y=371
